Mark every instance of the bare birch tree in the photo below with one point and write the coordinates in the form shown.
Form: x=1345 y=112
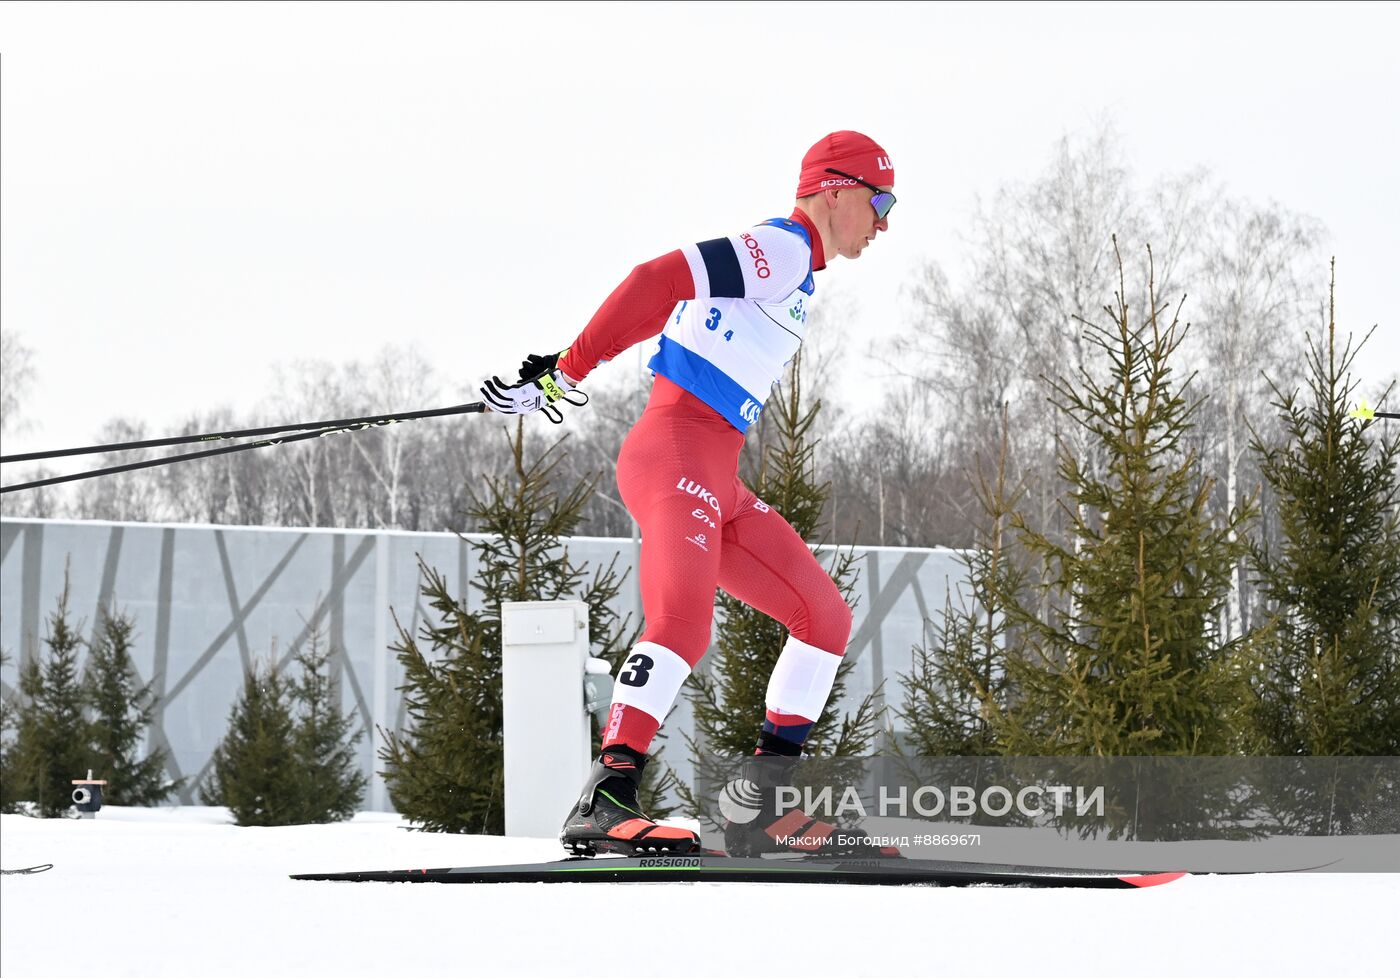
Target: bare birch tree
x=1250 y=322
x=16 y=378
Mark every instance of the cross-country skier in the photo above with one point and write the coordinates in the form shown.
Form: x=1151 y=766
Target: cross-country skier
x=731 y=314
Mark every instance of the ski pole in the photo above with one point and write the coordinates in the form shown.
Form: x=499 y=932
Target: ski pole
x=1365 y=412
x=189 y=456
x=473 y=408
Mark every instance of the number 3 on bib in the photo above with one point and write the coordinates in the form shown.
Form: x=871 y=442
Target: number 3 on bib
x=638 y=671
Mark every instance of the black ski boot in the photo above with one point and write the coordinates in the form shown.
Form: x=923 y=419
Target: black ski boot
x=754 y=824
x=608 y=817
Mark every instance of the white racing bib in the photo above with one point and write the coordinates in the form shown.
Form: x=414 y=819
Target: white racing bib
x=730 y=344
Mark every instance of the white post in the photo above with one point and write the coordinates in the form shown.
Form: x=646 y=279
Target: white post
x=547 y=751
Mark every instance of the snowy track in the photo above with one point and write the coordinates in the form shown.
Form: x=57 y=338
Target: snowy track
x=180 y=892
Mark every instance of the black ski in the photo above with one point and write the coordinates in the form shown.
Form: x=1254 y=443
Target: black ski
x=725 y=869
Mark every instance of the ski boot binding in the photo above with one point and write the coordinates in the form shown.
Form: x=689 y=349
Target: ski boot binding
x=609 y=819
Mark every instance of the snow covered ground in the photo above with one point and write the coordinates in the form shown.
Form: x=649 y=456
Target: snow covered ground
x=181 y=892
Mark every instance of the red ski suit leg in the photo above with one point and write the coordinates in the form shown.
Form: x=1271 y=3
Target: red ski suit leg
x=766 y=565
x=676 y=476
x=702 y=528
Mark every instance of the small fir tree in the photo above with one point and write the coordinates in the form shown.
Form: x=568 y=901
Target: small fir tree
x=52 y=738
x=9 y=797
x=1129 y=659
x=445 y=772
x=331 y=784
x=121 y=713
x=256 y=772
x=1330 y=680
x=960 y=681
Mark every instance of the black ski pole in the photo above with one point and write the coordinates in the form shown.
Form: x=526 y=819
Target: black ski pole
x=473 y=408
x=1364 y=412
x=189 y=456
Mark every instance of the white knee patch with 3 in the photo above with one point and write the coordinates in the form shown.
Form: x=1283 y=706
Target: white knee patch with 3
x=802 y=679
x=649 y=679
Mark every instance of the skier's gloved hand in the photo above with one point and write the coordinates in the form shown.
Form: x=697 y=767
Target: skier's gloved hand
x=537 y=364
x=542 y=384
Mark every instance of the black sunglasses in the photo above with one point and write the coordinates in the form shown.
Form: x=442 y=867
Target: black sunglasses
x=883 y=201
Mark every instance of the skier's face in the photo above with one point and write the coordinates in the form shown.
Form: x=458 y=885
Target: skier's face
x=854 y=223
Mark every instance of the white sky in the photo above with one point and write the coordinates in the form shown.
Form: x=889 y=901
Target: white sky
x=190 y=194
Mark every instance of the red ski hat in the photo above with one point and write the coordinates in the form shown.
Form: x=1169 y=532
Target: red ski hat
x=849 y=152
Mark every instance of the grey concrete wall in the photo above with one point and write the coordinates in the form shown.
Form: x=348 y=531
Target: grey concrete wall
x=209 y=600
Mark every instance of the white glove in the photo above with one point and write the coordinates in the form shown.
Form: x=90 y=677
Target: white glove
x=541 y=385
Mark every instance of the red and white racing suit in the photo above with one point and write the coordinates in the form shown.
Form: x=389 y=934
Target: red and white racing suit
x=731 y=313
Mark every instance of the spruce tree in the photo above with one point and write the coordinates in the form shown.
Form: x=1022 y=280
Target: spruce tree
x=120 y=715
x=445 y=772
x=729 y=698
x=330 y=784
x=959 y=681
x=1330 y=680
x=52 y=739
x=9 y=797
x=256 y=773
x=1128 y=659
